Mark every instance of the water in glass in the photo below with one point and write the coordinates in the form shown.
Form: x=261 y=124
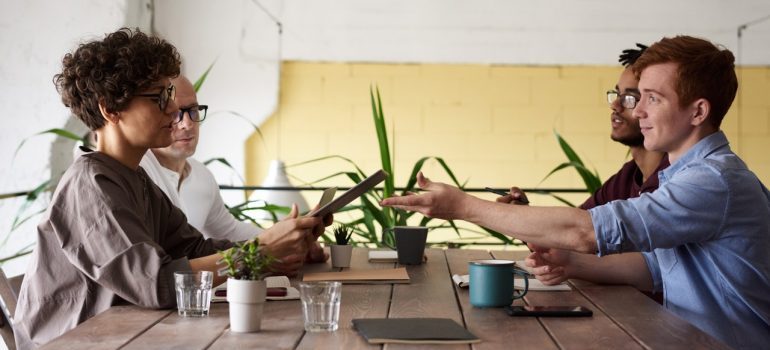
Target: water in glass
x=321 y=305
x=193 y=293
x=193 y=301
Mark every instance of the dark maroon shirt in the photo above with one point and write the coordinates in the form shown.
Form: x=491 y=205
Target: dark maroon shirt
x=627 y=183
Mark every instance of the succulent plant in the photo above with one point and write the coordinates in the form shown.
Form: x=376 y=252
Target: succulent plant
x=342 y=234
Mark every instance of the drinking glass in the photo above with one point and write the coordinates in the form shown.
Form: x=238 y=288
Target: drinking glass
x=321 y=305
x=193 y=293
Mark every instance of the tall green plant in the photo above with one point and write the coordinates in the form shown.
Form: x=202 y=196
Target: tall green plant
x=376 y=223
x=591 y=179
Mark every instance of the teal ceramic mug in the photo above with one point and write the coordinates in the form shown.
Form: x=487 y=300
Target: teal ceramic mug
x=491 y=283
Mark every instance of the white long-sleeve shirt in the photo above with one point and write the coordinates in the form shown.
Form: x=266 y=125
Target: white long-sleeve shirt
x=199 y=198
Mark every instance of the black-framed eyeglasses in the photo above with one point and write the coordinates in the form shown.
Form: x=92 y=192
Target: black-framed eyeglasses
x=628 y=101
x=196 y=113
x=165 y=95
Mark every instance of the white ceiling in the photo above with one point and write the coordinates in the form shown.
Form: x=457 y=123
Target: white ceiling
x=509 y=32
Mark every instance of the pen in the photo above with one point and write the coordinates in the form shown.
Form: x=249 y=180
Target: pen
x=504 y=193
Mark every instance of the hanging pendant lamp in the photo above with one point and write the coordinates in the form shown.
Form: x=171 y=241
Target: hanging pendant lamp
x=276 y=177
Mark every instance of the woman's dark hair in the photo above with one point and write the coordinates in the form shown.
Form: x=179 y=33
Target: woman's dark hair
x=112 y=71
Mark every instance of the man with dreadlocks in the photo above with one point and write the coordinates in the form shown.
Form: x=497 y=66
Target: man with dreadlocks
x=637 y=176
x=640 y=174
x=703 y=234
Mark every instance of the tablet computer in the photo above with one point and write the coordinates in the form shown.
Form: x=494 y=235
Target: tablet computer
x=356 y=191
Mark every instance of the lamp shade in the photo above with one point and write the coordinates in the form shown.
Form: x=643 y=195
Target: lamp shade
x=276 y=177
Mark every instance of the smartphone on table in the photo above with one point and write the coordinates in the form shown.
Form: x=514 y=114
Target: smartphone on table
x=548 y=311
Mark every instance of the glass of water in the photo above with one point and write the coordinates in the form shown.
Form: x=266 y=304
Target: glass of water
x=321 y=305
x=193 y=293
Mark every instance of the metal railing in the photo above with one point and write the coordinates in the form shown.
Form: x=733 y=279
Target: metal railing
x=254 y=188
x=467 y=189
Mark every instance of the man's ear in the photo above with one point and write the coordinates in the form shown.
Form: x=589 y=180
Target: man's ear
x=110 y=117
x=701 y=108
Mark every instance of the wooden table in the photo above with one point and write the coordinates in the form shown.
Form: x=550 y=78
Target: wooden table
x=623 y=317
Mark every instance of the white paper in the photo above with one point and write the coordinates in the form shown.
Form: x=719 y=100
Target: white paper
x=461 y=281
x=383 y=255
x=536 y=285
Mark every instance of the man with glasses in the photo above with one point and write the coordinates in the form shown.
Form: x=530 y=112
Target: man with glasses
x=191 y=187
x=640 y=174
x=704 y=233
x=637 y=176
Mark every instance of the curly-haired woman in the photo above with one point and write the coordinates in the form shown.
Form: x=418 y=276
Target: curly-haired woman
x=110 y=236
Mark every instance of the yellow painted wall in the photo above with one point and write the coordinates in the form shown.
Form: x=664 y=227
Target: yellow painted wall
x=492 y=124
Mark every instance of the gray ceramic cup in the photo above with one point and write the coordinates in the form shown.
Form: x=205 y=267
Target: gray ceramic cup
x=410 y=244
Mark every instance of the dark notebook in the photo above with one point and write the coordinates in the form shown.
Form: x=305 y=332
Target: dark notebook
x=413 y=331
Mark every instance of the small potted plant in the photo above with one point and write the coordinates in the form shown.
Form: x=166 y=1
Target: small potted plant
x=342 y=251
x=246 y=268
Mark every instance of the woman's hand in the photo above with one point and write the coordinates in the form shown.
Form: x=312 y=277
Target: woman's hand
x=316 y=253
x=287 y=240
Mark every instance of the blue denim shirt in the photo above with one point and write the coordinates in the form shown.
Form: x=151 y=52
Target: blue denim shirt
x=705 y=235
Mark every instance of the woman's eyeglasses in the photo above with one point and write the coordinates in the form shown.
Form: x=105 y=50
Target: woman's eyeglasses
x=196 y=113
x=165 y=95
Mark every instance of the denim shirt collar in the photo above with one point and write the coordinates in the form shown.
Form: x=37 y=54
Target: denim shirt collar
x=702 y=149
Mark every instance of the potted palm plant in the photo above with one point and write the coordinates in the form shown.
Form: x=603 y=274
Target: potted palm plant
x=342 y=251
x=372 y=215
x=246 y=268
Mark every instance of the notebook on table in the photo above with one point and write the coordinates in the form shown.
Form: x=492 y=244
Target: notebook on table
x=278 y=288
x=413 y=331
x=373 y=276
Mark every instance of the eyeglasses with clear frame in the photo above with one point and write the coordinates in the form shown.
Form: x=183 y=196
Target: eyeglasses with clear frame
x=196 y=113
x=628 y=101
x=165 y=95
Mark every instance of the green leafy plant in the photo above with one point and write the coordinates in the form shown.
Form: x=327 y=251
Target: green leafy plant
x=591 y=179
x=375 y=223
x=342 y=234
x=58 y=132
x=31 y=197
x=243 y=211
x=245 y=261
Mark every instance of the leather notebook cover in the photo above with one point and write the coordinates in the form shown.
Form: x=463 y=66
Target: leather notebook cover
x=374 y=276
x=413 y=331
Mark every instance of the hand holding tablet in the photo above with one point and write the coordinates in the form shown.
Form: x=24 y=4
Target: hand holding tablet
x=356 y=191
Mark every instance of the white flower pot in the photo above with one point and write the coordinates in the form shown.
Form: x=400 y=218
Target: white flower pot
x=341 y=255
x=246 y=299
